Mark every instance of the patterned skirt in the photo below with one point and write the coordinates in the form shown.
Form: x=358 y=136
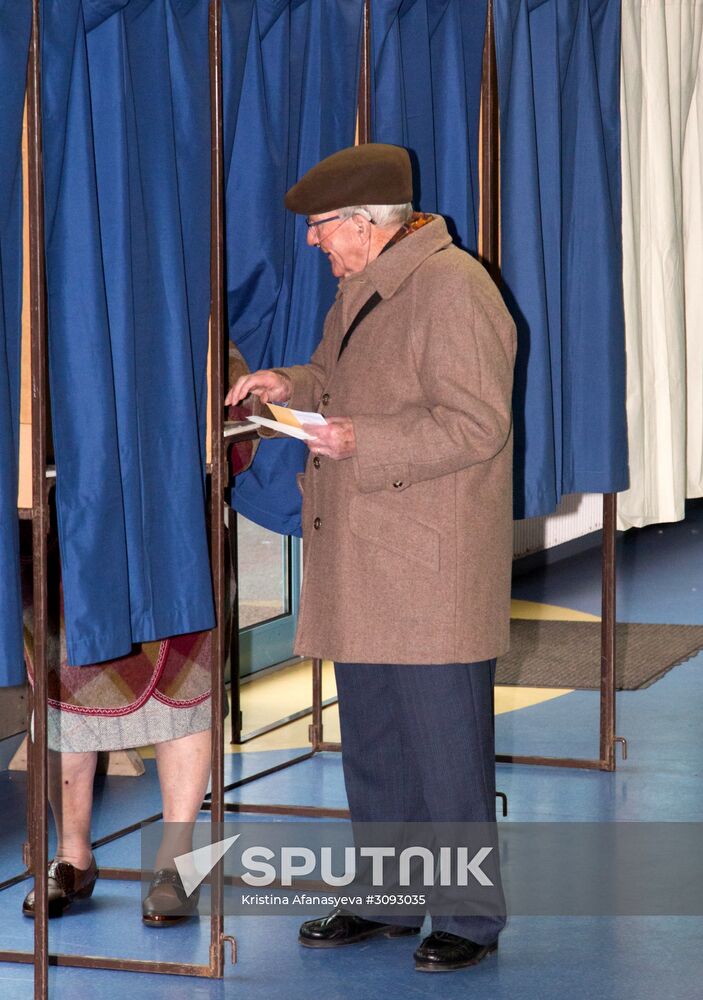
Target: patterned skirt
x=154 y=722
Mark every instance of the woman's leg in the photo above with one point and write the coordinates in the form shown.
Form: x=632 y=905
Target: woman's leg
x=71 y=778
x=71 y=797
x=184 y=770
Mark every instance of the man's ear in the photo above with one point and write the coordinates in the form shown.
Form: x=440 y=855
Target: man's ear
x=363 y=228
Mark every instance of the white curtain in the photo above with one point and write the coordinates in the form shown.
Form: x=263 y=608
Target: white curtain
x=662 y=165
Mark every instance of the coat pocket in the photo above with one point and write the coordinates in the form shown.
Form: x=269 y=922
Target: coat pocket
x=395 y=531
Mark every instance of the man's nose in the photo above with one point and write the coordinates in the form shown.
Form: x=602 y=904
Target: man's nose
x=311 y=237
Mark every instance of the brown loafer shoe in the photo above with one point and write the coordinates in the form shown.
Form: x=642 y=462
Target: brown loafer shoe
x=66 y=884
x=167 y=903
x=341 y=927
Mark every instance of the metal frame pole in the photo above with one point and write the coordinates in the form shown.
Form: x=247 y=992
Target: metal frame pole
x=608 y=739
x=235 y=662
x=364 y=95
x=37 y=746
x=217 y=476
x=489 y=234
x=364 y=132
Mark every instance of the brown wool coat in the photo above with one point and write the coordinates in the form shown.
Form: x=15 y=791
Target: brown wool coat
x=408 y=544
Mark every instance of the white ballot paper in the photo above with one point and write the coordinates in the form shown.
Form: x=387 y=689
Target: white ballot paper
x=289 y=421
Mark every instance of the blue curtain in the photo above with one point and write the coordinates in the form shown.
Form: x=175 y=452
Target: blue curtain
x=426 y=96
x=15 y=18
x=290 y=74
x=127 y=173
x=561 y=256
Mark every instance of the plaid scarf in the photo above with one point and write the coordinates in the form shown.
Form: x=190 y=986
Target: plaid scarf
x=416 y=221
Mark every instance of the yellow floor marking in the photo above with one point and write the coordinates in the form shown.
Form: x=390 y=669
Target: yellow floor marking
x=549 y=612
x=508 y=699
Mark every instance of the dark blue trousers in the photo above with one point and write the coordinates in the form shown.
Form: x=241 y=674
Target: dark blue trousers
x=418 y=746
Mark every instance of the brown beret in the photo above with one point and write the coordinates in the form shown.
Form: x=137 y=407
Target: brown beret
x=371 y=174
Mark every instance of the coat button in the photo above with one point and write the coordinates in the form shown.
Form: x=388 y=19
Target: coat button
x=398 y=484
x=316 y=461
x=325 y=399
x=317 y=524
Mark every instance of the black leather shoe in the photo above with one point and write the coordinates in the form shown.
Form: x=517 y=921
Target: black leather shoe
x=341 y=927
x=65 y=884
x=445 y=952
x=166 y=902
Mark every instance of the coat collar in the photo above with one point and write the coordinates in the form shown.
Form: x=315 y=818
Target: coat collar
x=389 y=270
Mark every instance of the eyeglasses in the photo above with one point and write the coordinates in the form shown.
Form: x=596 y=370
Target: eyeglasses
x=321 y=222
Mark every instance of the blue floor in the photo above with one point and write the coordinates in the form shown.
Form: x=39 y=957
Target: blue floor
x=625 y=958
x=659 y=575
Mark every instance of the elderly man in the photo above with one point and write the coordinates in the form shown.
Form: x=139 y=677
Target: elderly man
x=407 y=514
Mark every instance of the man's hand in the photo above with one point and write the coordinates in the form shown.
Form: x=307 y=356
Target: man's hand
x=270 y=387
x=335 y=439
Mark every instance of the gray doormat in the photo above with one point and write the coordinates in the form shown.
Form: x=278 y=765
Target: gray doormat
x=567 y=654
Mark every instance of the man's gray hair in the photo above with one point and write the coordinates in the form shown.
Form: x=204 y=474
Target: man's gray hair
x=380 y=215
